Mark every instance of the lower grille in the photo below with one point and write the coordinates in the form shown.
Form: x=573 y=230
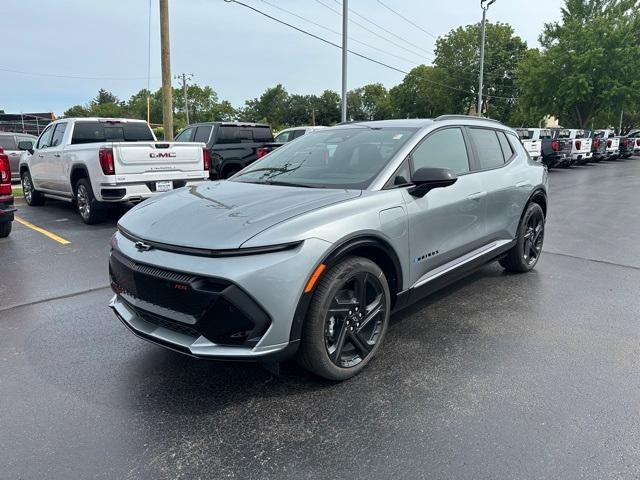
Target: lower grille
x=189 y=304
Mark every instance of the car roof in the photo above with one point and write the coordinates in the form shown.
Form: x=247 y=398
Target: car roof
x=426 y=122
x=229 y=124
x=99 y=119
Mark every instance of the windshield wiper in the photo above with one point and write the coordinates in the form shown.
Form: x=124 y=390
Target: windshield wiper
x=291 y=184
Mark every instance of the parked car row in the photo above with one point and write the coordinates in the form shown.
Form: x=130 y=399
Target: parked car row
x=564 y=147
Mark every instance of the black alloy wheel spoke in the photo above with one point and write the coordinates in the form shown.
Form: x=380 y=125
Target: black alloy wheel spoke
x=361 y=345
x=371 y=312
x=337 y=353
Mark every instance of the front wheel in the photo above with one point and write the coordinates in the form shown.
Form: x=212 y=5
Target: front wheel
x=32 y=196
x=347 y=320
x=526 y=252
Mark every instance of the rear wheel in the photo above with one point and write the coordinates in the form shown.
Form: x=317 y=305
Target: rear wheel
x=5 y=229
x=31 y=195
x=89 y=208
x=347 y=320
x=526 y=252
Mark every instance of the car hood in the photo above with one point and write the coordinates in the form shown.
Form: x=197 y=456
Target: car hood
x=223 y=215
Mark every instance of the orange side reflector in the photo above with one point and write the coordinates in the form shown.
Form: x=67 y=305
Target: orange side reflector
x=314 y=278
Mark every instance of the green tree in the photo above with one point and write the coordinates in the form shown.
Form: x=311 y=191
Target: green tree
x=458 y=61
x=421 y=95
x=369 y=102
x=270 y=108
x=589 y=63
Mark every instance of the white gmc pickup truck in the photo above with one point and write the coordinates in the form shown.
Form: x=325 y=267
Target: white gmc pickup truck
x=100 y=161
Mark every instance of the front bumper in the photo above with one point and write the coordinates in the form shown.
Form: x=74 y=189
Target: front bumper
x=235 y=308
x=186 y=340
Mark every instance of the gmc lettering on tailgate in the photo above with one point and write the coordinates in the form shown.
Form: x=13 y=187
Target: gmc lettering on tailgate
x=163 y=155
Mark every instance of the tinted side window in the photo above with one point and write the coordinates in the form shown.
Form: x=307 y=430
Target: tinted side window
x=185 y=135
x=8 y=142
x=442 y=149
x=284 y=137
x=58 y=133
x=202 y=134
x=488 y=148
x=507 y=151
x=402 y=176
x=45 y=138
x=263 y=134
x=298 y=133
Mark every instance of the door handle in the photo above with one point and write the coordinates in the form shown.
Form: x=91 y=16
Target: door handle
x=477 y=195
x=40 y=155
x=57 y=155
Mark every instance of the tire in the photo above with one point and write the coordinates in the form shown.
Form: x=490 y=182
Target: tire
x=91 y=211
x=33 y=197
x=358 y=323
x=524 y=256
x=229 y=172
x=5 y=229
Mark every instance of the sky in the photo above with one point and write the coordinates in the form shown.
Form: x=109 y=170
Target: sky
x=239 y=53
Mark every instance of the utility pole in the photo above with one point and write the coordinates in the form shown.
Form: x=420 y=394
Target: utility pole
x=313 y=116
x=485 y=6
x=621 y=114
x=345 y=22
x=184 y=78
x=165 y=58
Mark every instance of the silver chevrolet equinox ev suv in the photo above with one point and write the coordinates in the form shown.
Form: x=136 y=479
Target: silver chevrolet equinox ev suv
x=307 y=251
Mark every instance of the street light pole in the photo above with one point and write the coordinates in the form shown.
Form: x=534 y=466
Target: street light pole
x=485 y=6
x=345 y=22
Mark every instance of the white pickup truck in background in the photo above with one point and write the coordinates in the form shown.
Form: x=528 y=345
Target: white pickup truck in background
x=531 y=142
x=581 y=149
x=100 y=161
x=611 y=141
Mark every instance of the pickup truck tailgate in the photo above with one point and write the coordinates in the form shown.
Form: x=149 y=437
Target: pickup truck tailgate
x=533 y=147
x=146 y=157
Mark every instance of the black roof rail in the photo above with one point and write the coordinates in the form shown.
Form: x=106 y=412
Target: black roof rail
x=465 y=117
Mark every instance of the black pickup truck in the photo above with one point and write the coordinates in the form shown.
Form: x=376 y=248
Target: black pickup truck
x=232 y=145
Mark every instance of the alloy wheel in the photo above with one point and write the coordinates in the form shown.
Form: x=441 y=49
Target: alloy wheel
x=82 y=199
x=27 y=188
x=533 y=238
x=354 y=320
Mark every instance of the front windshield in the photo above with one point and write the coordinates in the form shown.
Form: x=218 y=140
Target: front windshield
x=332 y=158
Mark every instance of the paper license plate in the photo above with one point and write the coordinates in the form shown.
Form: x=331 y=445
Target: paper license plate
x=164 y=186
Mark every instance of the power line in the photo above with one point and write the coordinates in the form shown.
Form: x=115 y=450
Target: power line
x=79 y=77
x=375 y=33
x=413 y=62
x=384 y=29
x=324 y=40
x=406 y=19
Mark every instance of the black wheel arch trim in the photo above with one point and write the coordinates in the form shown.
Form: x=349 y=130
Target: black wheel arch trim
x=536 y=192
x=77 y=167
x=338 y=252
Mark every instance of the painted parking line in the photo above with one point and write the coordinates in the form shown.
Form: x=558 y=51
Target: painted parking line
x=44 y=232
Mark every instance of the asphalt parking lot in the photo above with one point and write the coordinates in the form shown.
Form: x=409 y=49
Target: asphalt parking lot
x=498 y=376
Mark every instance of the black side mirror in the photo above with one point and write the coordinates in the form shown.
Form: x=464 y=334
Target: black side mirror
x=426 y=179
x=26 y=145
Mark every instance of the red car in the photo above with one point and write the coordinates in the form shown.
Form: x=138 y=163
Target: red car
x=6 y=197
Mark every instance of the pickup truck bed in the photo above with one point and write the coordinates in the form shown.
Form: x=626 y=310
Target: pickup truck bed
x=232 y=145
x=101 y=161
